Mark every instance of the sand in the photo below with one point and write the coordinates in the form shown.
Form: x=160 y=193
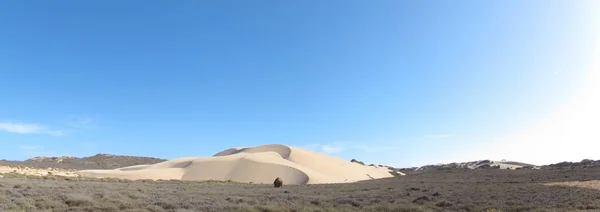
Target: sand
x=36 y=171
x=592 y=184
x=509 y=164
x=260 y=164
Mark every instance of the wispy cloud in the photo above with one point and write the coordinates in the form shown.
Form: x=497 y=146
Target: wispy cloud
x=436 y=136
x=326 y=148
x=332 y=149
x=376 y=148
x=43 y=153
x=82 y=121
x=21 y=128
x=31 y=151
x=31 y=147
x=338 y=147
x=384 y=153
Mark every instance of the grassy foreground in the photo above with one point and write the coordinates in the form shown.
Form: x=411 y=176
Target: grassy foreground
x=458 y=190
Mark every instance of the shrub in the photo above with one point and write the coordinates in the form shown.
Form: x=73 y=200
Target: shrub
x=78 y=201
x=395 y=173
x=357 y=161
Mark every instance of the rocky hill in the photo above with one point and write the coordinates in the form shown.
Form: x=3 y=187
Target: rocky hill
x=99 y=161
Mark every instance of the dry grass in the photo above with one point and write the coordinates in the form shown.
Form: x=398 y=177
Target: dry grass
x=473 y=190
x=592 y=184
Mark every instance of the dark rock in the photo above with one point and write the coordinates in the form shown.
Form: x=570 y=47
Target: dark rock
x=421 y=199
x=443 y=204
x=278 y=183
x=347 y=201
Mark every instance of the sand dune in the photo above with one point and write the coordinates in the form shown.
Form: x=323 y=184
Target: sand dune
x=260 y=164
x=510 y=164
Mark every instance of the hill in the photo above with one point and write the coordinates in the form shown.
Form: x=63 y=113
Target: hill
x=98 y=161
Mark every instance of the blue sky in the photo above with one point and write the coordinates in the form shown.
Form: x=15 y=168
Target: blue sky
x=390 y=82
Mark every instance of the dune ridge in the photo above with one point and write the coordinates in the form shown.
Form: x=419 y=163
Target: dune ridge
x=259 y=164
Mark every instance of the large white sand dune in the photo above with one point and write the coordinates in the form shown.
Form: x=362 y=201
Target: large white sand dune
x=260 y=164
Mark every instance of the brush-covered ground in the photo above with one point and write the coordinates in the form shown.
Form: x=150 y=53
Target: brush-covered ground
x=452 y=190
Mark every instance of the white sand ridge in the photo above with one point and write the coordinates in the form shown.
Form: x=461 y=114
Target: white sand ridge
x=260 y=164
x=36 y=171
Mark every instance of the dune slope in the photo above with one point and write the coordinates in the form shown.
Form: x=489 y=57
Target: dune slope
x=260 y=164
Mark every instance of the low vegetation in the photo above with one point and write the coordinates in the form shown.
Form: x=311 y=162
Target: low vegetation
x=16 y=175
x=357 y=161
x=449 y=190
x=395 y=173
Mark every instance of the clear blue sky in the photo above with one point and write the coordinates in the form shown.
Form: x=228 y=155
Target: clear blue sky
x=392 y=82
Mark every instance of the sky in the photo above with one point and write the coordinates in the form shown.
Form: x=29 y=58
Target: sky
x=401 y=83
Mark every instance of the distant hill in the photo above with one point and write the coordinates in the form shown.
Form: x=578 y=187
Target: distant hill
x=586 y=163
x=99 y=161
x=486 y=164
x=489 y=164
x=480 y=164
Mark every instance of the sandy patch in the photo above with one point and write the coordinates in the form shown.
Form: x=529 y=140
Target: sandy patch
x=505 y=165
x=593 y=184
x=37 y=171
